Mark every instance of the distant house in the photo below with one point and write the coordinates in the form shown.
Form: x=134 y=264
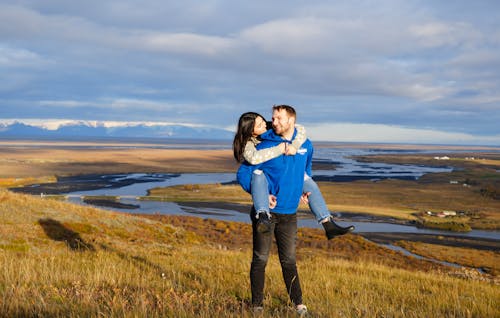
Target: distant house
x=453 y=182
x=442 y=158
x=442 y=214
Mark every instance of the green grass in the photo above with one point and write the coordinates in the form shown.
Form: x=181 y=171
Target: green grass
x=76 y=261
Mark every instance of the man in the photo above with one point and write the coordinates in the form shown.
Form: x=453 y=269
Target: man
x=285 y=176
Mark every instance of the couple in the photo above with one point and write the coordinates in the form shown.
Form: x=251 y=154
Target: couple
x=276 y=170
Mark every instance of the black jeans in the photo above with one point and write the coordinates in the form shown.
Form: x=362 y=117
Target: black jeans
x=284 y=227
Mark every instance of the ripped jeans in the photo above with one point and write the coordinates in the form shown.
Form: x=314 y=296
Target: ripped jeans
x=260 y=195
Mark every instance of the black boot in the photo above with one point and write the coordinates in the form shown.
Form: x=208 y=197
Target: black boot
x=263 y=223
x=332 y=229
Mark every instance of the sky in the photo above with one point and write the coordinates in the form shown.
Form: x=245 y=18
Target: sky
x=370 y=71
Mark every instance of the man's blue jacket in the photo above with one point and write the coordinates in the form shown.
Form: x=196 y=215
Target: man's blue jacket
x=285 y=174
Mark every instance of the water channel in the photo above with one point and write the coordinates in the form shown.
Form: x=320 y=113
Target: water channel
x=346 y=169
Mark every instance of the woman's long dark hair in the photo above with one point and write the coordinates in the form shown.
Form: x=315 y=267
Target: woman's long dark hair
x=244 y=132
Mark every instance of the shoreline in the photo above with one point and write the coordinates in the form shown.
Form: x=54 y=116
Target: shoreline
x=446 y=240
x=453 y=239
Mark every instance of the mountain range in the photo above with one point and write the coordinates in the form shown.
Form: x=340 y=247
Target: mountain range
x=78 y=129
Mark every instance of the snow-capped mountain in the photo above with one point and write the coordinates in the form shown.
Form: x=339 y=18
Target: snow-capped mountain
x=18 y=128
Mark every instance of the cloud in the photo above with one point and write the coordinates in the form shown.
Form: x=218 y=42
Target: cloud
x=439 y=34
x=117 y=104
x=63 y=103
x=415 y=63
x=348 y=132
x=289 y=38
x=184 y=43
x=54 y=124
x=18 y=58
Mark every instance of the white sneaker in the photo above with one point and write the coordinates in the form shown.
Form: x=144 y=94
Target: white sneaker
x=257 y=310
x=301 y=310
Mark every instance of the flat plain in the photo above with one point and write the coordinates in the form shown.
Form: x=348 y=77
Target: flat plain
x=97 y=262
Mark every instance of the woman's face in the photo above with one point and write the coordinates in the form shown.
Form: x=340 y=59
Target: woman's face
x=259 y=127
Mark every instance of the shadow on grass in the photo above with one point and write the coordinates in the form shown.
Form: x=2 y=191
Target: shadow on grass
x=58 y=232
x=139 y=261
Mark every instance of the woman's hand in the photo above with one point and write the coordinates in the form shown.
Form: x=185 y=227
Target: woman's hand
x=290 y=150
x=283 y=147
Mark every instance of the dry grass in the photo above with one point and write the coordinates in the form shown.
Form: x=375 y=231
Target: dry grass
x=202 y=193
x=491 y=159
x=311 y=242
x=20 y=162
x=409 y=196
x=59 y=259
x=19 y=182
x=477 y=192
x=486 y=260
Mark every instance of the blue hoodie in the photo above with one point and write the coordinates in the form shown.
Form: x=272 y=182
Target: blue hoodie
x=285 y=174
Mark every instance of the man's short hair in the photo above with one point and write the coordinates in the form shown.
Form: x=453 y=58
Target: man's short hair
x=289 y=109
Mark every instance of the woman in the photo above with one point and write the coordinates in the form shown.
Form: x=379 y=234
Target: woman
x=250 y=126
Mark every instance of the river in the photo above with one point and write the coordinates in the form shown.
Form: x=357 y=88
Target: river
x=346 y=169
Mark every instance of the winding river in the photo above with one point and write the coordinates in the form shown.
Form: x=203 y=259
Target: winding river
x=346 y=169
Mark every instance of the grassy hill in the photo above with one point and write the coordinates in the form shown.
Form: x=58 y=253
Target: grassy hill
x=60 y=259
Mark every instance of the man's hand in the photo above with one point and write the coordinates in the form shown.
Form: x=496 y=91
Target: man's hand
x=272 y=201
x=305 y=197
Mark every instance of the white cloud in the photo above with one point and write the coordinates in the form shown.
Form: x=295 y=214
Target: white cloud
x=142 y=104
x=348 y=132
x=18 y=57
x=422 y=91
x=392 y=62
x=117 y=104
x=290 y=37
x=54 y=124
x=63 y=103
x=437 y=34
x=187 y=43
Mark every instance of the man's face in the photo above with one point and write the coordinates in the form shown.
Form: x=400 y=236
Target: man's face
x=282 y=123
